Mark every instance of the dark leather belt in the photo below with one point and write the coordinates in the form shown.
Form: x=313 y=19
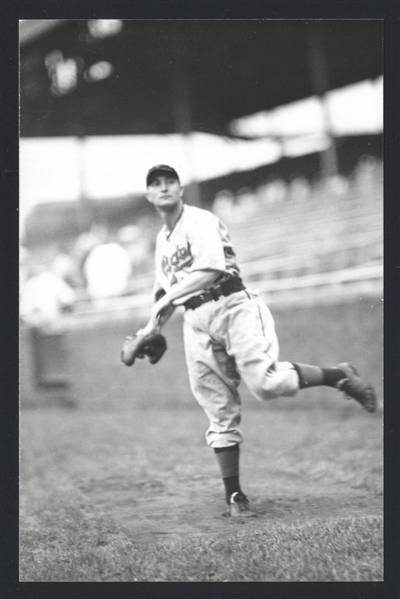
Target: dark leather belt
x=223 y=289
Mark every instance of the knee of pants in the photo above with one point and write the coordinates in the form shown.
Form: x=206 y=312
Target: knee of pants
x=218 y=439
x=274 y=384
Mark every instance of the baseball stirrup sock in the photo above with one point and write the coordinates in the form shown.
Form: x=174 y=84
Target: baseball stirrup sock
x=314 y=376
x=332 y=376
x=232 y=485
x=228 y=461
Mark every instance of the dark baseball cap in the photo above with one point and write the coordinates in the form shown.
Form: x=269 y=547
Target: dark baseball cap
x=161 y=169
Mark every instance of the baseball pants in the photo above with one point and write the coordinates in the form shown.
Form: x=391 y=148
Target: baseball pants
x=227 y=340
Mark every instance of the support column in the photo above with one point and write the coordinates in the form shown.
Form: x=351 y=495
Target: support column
x=181 y=105
x=318 y=69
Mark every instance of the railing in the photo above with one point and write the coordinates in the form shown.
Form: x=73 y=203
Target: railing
x=362 y=281
x=320 y=251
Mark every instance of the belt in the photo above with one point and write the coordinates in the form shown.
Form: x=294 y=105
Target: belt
x=224 y=289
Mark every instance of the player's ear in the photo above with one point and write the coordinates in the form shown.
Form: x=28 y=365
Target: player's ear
x=181 y=191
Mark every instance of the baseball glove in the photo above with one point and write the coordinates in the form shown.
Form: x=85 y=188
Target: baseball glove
x=153 y=345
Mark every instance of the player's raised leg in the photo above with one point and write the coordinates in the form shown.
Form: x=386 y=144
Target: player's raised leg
x=344 y=377
x=253 y=343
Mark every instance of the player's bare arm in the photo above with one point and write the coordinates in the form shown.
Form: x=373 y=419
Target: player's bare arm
x=164 y=308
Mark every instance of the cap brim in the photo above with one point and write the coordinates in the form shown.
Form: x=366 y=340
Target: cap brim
x=158 y=172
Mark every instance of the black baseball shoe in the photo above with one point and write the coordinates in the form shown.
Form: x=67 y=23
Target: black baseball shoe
x=355 y=388
x=239 y=506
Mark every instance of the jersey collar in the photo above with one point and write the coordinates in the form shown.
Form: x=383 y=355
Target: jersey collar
x=168 y=232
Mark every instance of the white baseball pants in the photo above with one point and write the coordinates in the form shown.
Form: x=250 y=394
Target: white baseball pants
x=227 y=340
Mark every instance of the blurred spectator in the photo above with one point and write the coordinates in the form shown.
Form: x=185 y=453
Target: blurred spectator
x=85 y=242
x=130 y=237
x=275 y=192
x=44 y=296
x=44 y=353
x=337 y=185
x=261 y=194
x=223 y=205
x=107 y=270
x=367 y=171
x=299 y=189
x=66 y=268
x=246 y=203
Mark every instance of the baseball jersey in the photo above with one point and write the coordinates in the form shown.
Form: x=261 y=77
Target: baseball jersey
x=199 y=241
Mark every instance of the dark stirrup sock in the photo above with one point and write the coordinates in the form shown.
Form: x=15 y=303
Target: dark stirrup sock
x=313 y=376
x=228 y=461
x=232 y=485
x=332 y=376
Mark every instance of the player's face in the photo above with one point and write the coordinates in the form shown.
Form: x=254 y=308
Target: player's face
x=165 y=193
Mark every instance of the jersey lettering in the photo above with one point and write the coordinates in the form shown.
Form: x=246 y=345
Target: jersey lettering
x=179 y=259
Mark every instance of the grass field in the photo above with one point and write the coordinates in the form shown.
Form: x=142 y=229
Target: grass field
x=133 y=494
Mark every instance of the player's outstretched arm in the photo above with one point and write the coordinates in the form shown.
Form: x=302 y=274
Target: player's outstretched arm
x=147 y=341
x=163 y=308
x=195 y=281
x=156 y=326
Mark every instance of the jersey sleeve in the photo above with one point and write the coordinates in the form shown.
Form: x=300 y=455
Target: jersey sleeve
x=206 y=245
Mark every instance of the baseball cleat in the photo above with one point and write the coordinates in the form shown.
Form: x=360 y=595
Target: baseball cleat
x=239 y=506
x=354 y=387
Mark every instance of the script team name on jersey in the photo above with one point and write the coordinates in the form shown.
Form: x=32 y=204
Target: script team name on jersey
x=182 y=257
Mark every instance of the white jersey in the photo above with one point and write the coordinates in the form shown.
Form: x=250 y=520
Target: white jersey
x=199 y=241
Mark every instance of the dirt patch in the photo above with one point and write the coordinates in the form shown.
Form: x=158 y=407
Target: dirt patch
x=155 y=479
x=148 y=510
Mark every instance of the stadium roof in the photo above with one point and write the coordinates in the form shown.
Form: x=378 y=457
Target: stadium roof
x=154 y=69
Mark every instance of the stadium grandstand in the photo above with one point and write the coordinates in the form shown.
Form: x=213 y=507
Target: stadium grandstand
x=293 y=164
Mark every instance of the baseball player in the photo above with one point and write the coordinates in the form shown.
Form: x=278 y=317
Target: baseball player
x=229 y=332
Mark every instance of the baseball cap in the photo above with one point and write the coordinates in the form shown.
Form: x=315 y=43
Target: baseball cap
x=161 y=169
